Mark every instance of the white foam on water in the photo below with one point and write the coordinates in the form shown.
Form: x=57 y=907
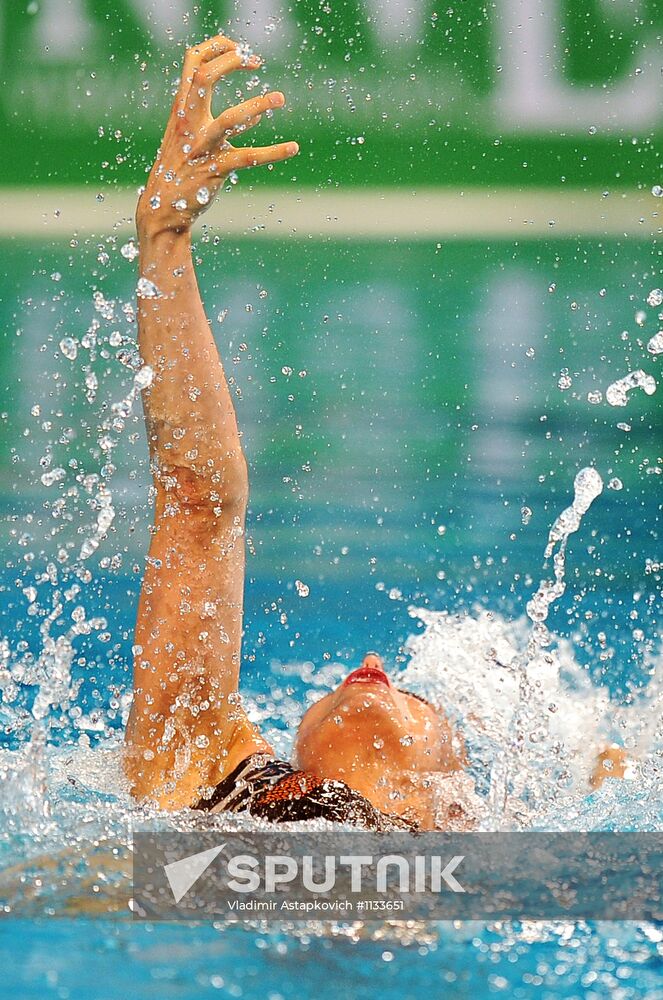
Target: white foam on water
x=470 y=664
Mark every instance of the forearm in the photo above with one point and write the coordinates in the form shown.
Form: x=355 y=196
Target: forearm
x=190 y=418
x=186 y=727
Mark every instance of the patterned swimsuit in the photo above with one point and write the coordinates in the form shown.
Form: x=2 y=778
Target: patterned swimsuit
x=272 y=789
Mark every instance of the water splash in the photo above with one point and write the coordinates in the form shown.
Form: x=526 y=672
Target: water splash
x=588 y=485
x=471 y=664
x=37 y=688
x=530 y=727
x=115 y=423
x=617 y=393
x=655 y=345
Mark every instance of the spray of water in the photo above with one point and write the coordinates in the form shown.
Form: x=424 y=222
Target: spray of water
x=617 y=393
x=587 y=485
x=36 y=689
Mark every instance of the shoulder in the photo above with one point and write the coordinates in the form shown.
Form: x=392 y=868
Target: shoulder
x=274 y=790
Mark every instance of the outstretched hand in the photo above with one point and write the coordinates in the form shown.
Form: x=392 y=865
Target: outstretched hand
x=196 y=155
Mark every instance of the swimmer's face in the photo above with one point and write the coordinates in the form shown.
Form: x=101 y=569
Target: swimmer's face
x=370 y=734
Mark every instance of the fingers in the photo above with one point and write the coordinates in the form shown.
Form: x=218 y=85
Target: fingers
x=213 y=47
x=243 y=116
x=211 y=72
x=237 y=159
x=212 y=53
x=244 y=126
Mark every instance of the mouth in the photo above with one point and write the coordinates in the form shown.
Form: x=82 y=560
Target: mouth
x=367 y=675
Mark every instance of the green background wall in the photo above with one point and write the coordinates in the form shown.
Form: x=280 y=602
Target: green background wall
x=515 y=92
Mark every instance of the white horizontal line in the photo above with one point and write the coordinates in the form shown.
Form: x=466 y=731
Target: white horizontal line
x=371 y=212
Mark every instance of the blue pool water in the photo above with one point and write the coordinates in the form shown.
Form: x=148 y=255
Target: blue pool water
x=410 y=446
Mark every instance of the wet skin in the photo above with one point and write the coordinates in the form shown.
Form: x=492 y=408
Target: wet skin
x=380 y=740
x=187 y=729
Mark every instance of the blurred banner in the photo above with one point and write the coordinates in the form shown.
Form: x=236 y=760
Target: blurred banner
x=515 y=92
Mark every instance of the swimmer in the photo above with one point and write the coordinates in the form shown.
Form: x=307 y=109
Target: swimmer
x=367 y=753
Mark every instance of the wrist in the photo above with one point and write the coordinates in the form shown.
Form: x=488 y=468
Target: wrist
x=153 y=234
x=159 y=245
x=149 y=228
x=157 y=221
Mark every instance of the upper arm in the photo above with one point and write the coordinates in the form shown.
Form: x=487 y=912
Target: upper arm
x=187 y=727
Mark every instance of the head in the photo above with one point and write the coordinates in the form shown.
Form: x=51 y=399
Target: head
x=374 y=736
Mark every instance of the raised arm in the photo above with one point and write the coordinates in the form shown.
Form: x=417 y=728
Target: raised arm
x=187 y=728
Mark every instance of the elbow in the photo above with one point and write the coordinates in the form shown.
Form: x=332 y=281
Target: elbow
x=222 y=488
x=235 y=489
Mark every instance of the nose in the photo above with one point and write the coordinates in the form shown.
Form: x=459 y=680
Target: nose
x=374 y=661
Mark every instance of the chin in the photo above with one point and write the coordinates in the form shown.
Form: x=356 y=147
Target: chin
x=368 y=697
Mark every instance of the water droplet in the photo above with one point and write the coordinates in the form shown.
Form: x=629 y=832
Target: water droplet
x=655 y=297
x=69 y=347
x=594 y=396
x=587 y=486
x=180 y=204
x=53 y=476
x=155 y=201
x=303 y=590
x=641 y=317
x=91 y=385
x=525 y=514
x=144 y=377
x=129 y=251
x=615 y=484
x=146 y=289
x=245 y=53
x=655 y=345
x=203 y=196
x=617 y=393
x=657 y=191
